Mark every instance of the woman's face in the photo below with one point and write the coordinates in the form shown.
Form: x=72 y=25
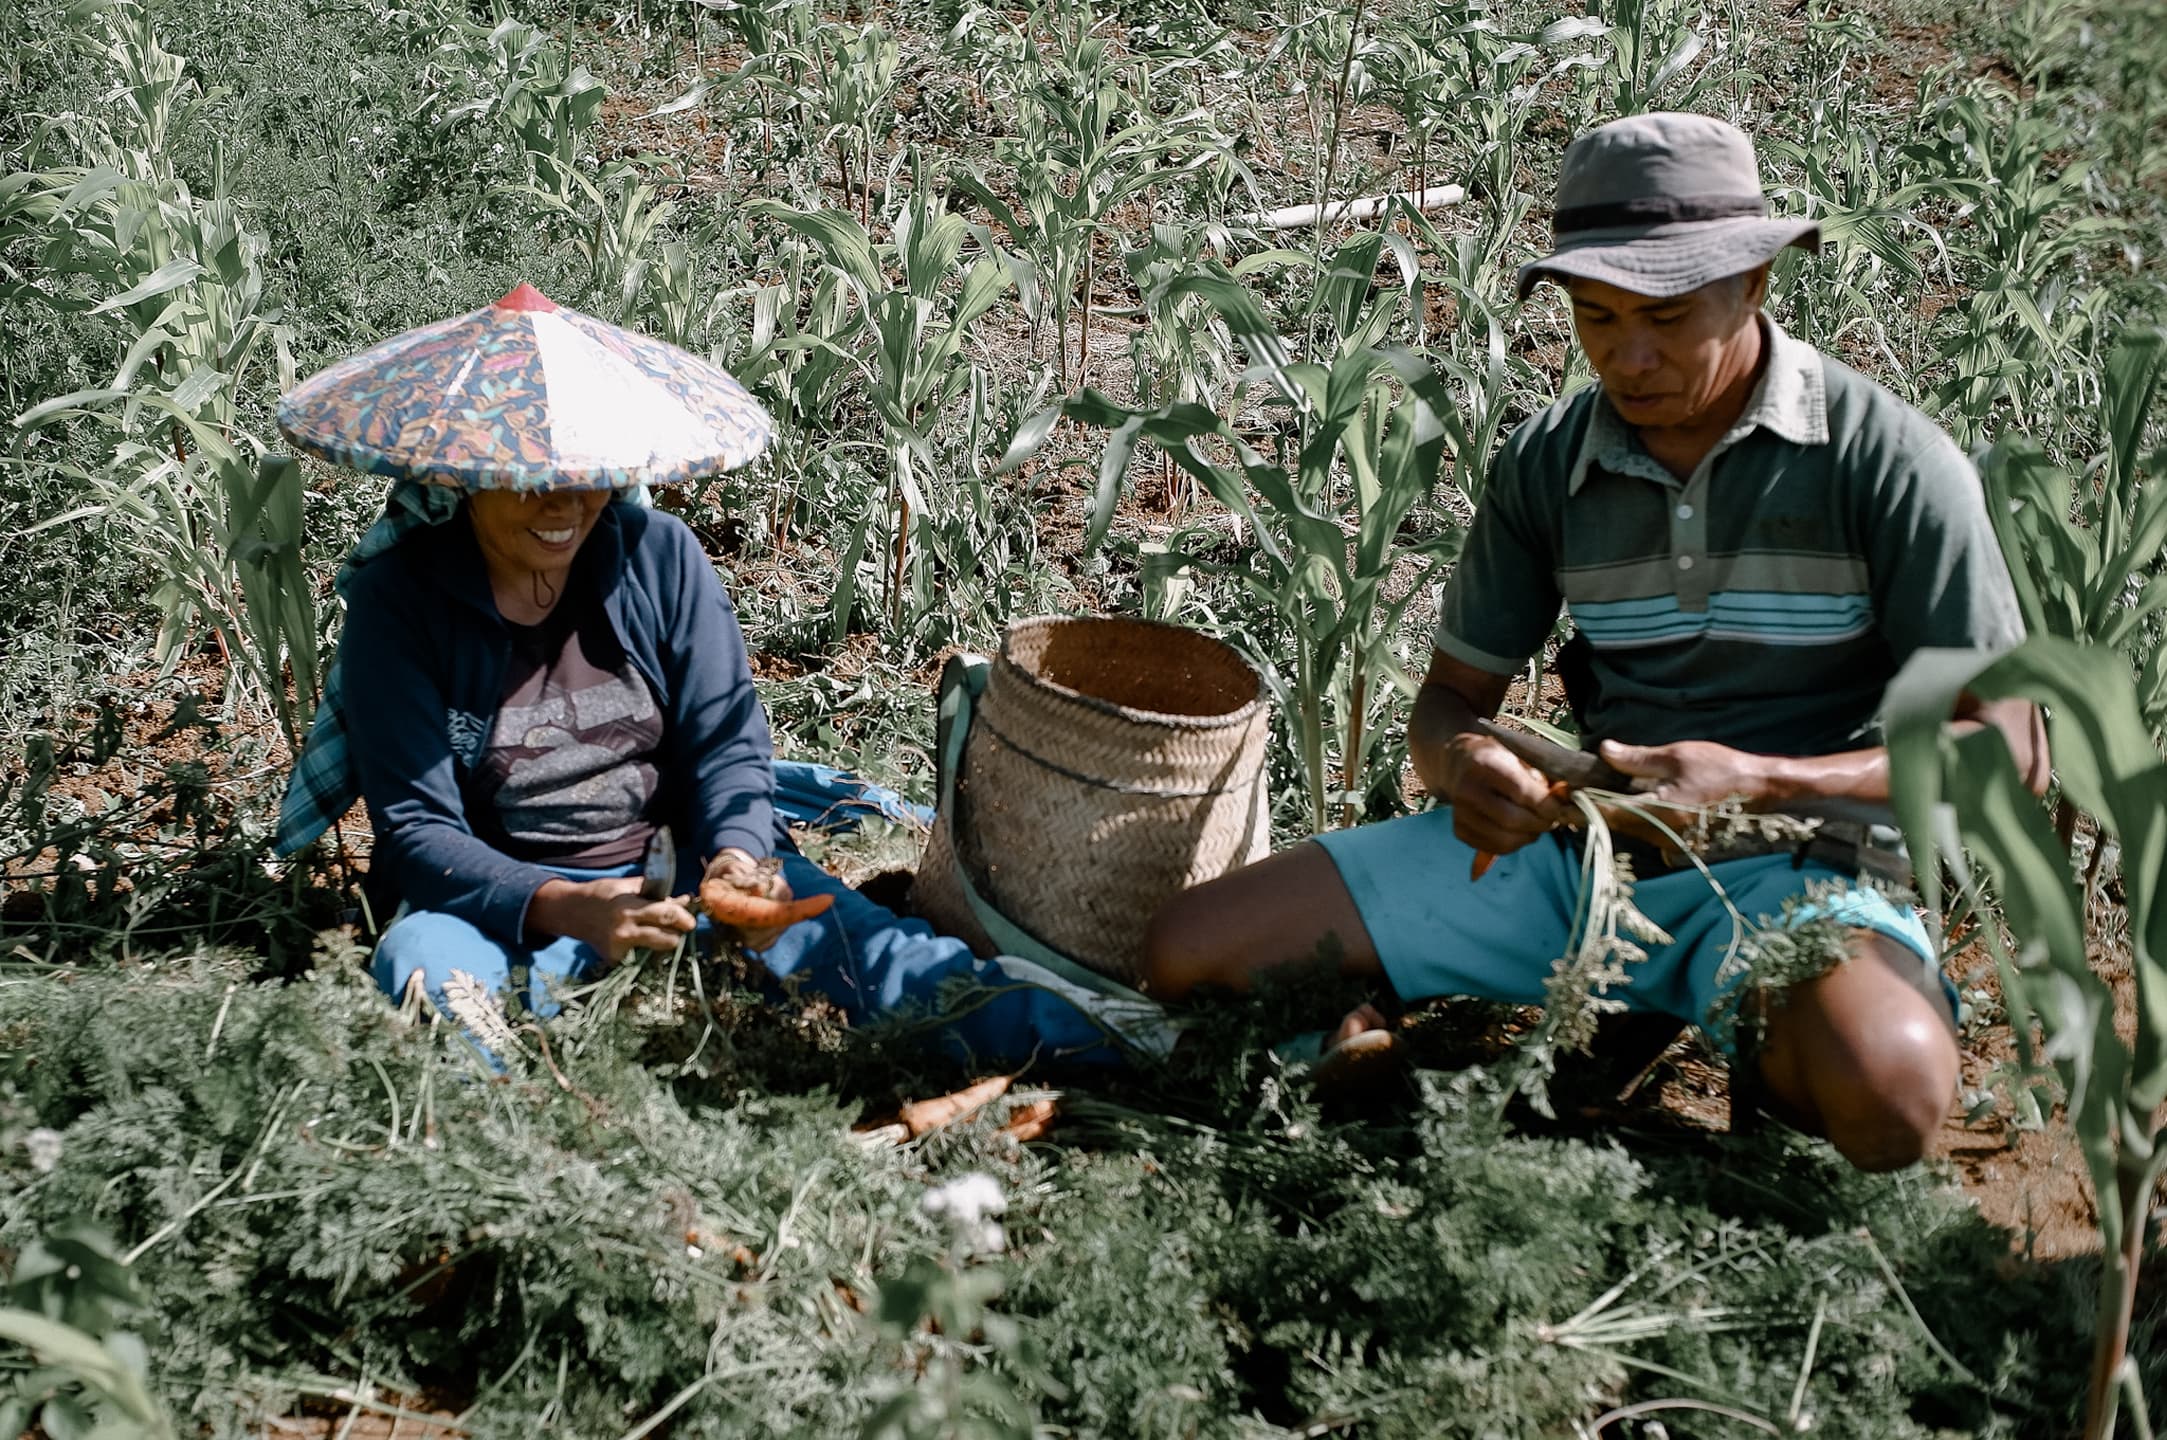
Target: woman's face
x=521 y=533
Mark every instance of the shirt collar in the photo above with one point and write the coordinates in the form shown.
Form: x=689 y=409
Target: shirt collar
x=1791 y=401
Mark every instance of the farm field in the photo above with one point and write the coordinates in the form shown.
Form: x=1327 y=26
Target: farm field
x=1010 y=282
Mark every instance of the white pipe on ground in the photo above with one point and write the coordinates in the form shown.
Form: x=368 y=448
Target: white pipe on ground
x=1294 y=217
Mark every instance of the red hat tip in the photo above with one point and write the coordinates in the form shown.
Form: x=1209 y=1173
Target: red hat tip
x=526 y=297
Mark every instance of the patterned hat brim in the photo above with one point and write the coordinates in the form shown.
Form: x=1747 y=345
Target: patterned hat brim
x=526 y=396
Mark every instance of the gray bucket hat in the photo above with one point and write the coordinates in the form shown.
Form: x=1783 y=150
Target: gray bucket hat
x=1662 y=204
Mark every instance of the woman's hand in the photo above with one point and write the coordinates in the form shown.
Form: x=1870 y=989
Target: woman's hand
x=748 y=876
x=610 y=916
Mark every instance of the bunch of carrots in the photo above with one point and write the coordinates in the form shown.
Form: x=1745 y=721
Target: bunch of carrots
x=727 y=904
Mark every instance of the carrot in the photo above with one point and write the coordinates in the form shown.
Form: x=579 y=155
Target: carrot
x=1031 y=1121
x=923 y=1116
x=729 y=905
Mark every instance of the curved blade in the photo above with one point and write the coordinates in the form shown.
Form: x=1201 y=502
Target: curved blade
x=658 y=869
x=1581 y=769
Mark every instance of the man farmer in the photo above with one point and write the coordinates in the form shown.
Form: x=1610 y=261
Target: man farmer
x=1751 y=539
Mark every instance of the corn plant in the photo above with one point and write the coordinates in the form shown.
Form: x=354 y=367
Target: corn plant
x=1183 y=349
x=534 y=91
x=1374 y=424
x=2039 y=34
x=73 y=1303
x=1963 y=803
x=1317 y=53
x=1874 y=238
x=1487 y=96
x=2085 y=552
x=2026 y=327
x=793 y=341
x=779 y=37
x=856 y=76
x=1413 y=72
x=1652 y=46
x=975 y=557
x=169 y=470
x=1086 y=145
x=909 y=346
x=1489 y=381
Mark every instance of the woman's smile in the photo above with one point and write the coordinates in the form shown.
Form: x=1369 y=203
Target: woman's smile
x=529 y=541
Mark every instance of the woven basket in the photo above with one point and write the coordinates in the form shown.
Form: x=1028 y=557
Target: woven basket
x=1110 y=765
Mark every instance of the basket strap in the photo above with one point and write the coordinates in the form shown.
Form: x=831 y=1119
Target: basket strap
x=963 y=681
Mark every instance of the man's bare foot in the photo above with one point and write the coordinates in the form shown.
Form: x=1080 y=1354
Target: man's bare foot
x=1360 y=1021
x=1359 y=1055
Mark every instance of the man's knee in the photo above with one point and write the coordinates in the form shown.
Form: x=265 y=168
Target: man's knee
x=1882 y=1108
x=1865 y=1056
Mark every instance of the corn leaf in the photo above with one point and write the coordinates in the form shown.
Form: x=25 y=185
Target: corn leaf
x=169 y=276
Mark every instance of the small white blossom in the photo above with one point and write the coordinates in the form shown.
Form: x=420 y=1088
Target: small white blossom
x=969 y=1204
x=43 y=1146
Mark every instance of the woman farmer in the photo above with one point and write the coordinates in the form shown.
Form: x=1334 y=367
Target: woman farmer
x=536 y=677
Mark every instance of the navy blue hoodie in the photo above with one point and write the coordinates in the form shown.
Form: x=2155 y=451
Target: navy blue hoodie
x=425 y=654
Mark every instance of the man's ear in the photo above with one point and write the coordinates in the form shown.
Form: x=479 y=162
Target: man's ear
x=1755 y=287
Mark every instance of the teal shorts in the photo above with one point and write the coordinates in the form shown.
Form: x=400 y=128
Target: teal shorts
x=1438 y=932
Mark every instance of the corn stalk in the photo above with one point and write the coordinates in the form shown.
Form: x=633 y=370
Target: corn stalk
x=158 y=455
x=2086 y=551
x=1963 y=803
x=909 y=348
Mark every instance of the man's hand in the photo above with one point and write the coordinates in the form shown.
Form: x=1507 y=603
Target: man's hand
x=1499 y=802
x=610 y=916
x=1692 y=773
x=746 y=875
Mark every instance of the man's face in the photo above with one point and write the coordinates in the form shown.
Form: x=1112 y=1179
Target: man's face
x=1664 y=362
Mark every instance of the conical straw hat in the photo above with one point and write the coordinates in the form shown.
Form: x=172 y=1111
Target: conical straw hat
x=526 y=395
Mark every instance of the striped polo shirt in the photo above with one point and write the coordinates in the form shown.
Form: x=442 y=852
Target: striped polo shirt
x=1765 y=600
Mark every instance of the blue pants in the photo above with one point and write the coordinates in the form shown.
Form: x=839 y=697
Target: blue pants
x=871 y=962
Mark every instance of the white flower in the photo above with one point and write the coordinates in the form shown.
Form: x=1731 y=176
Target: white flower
x=969 y=1203
x=43 y=1146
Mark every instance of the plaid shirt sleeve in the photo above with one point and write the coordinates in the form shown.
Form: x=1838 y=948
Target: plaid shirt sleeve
x=323 y=785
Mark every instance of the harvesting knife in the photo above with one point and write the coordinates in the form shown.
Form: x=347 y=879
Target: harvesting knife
x=658 y=868
x=1580 y=769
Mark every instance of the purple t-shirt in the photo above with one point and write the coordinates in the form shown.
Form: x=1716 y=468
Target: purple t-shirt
x=569 y=774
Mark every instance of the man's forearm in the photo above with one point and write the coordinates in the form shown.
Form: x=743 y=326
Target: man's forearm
x=1441 y=713
x=1863 y=775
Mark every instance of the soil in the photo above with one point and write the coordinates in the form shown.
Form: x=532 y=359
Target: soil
x=158 y=726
